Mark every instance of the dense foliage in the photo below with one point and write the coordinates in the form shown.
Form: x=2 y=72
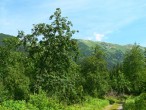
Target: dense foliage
x=136 y=103
x=134 y=69
x=44 y=70
x=94 y=74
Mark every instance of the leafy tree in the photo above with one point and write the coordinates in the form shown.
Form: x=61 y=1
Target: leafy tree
x=12 y=70
x=94 y=73
x=134 y=68
x=119 y=83
x=52 y=57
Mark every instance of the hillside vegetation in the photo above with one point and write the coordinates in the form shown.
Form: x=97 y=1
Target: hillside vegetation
x=2 y=36
x=114 y=52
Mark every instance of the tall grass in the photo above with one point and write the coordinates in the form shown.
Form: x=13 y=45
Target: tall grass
x=42 y=102
x=89 y=104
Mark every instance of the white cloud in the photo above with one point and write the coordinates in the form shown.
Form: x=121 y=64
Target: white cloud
x=89 y=38
x=99 y=37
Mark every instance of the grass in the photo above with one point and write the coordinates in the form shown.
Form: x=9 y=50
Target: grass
x=89 y=104
x=115 y=106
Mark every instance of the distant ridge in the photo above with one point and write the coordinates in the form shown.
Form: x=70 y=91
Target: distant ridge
x=114 y=52
x=4 y=36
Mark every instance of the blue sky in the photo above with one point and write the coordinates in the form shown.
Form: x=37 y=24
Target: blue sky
x=115 y=21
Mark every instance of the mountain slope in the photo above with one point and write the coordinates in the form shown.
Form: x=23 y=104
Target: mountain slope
x=114 y=52
x=2 y=36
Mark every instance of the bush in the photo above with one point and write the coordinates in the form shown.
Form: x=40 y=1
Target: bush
x=137 y=103
x=129 y=106
x=36 y=102
x=42 y=102
x=4 y=108
x=140 y=102
x=17 y=105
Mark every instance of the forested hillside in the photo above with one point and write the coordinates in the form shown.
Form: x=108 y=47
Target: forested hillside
x=2 y=36
x=61 y=73
x=114 y=52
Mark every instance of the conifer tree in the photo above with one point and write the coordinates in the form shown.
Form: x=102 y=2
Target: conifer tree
x=134 y=68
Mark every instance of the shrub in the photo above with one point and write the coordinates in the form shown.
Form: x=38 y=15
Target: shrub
x=17 y=105
x=140 y=102
x=137 y=103
x=42 y=102
x=4 y=108
x=90 y=103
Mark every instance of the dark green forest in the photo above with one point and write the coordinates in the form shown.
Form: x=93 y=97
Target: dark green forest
x=57 y=71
